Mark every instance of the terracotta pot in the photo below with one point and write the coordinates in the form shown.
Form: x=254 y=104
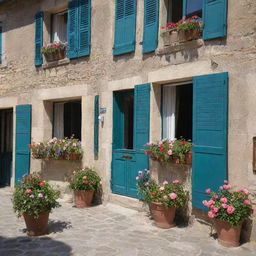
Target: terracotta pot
x=188 y=158
x=36 y=227
x=59 y=54
x=188 y=35
x=83 y=198
x=74 y=157
x=228 y=236
x=162 y=216
x=175 y=160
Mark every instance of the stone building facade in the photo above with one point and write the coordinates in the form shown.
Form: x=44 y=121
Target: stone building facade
x=102 y=73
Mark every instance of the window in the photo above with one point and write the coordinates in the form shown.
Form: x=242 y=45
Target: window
x=178 y=8
x=177 y=111
x=67 y=119
x=59 y=26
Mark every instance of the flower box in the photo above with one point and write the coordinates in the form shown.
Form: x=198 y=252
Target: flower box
x=54 y=51
x=59 y=54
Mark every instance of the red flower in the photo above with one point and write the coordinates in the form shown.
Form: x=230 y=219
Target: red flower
x=42 y=183
x=153 y=193
x=86 y=181
x=183 y=142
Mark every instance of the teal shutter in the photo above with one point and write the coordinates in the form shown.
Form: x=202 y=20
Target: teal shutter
x=141 y=115
x=125 y=27
x=151 y=21
x=96 y=124
x=84 y=28
x=23 y=135
x=72 y=28
x=214 y=19
x=210 y=125
x=39 y=18
x=1 y=44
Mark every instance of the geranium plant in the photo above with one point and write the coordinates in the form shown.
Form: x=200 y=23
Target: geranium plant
x=34 y=195
x=38 y=149
x=84 y=179
x=53 y=47
x=180 y=148
x=169 y=194
x=230 y=206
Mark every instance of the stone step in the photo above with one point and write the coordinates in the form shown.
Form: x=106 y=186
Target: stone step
x=128 y=202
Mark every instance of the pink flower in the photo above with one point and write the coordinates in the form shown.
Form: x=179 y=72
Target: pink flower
x=226 y=187
x=244 y=190
x=215 y=197
x=205 y=203
x=165 y=197
x=221 y=187
x=173 y=196
x=225 y=181
x=248 y=202
x=165 y=182
x=210 y=202
x=224 y=200
x=215 y=209
x=224 y=206
x=169 y=152
x=146 y=184
x=161 y=188
x=211 y=214
x=148 y=171
x=230 y=209
x=176 y=182
x=40 y=195
x=208 y=191
x=140 y=172
x=28 y=191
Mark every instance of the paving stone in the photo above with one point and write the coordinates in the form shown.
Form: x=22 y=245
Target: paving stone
x=99 y=231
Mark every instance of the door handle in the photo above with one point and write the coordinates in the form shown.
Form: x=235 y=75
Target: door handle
x=127 y=156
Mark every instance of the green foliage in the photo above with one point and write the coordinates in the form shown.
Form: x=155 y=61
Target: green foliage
x=170 y=195
x=33 y=195
x=84 y=179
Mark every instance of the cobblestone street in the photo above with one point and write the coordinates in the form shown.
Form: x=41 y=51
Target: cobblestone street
x=105 y=230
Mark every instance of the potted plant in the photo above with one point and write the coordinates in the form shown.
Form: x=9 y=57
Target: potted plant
x=84 y=182
x=38 y=150
x=34 y=199
x=73 y=149
x=229 y=209
x=163 y=199
x=181 y=31
x=54 y=51
x=160 y=151
x=182 y=150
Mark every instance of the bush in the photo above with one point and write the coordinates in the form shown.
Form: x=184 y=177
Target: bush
x=33 y=195
x=84 y=179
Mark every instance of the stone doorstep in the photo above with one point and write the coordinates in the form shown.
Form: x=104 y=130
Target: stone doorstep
x=127 y=202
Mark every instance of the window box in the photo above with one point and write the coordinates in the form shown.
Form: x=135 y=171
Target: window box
x=59 y=54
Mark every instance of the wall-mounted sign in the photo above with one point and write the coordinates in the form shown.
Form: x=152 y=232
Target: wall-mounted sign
x=103 y=110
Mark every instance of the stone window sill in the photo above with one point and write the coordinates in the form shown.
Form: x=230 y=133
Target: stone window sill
x=57 y=63
x=180 y=46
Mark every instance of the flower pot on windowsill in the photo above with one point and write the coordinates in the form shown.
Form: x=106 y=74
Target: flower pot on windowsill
x=188 y=35
x=59 y=54
x=73 y=157
x=163 y=217
x=188 y=158
x=169 y=37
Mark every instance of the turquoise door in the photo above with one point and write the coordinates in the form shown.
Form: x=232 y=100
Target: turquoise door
x=130 y=134
x=210 y=125
x=6 y=146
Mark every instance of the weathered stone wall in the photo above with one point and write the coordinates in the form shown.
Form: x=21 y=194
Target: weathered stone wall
x=102 y=73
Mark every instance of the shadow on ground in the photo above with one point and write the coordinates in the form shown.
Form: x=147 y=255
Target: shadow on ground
x=32 y=246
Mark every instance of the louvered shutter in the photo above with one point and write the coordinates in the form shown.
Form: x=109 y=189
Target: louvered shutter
x=214 y=19
x=125 y=27
x=38 y=38
x=210 y=125
x=84 y=28
x=1 y=44
x=96 y=124
x=23 y=138
x=142 y=115
x=151 y=21
x=72 y=29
